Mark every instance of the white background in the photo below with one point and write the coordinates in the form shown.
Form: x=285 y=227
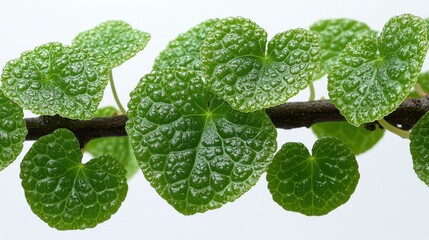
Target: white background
x=390 y=202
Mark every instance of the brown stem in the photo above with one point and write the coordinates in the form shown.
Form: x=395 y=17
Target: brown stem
x=85 y=130
x=304 y=114
x=286 y=116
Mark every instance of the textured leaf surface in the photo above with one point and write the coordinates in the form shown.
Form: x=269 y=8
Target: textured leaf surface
x=12 y=131
x=419 y=148
x=120 y=147
x=313 y=185
x=241 y=71
x=184 y=51
x=56 y=79
x=334 y=35
x=117 y=41
x=195 y=150
x=358 y=139
x=374 y=75
x=65 y=193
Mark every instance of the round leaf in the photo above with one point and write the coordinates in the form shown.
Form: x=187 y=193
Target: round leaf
x=120 y=147
x=358 y=139
x=335 y=34
x=117 y=41
x=184 y=51
x=195 y=150
x=374 y=75
x=240 y=70
x=55 y=79
x=12 y=131
x=65 y=193
x=313 y=185
x=419 y=148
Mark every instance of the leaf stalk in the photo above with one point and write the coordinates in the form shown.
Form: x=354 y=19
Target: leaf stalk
x=397 y=131
x=115 y=94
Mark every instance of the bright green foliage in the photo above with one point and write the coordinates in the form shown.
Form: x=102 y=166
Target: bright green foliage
x=184 y=51
x=334 y=35
x=249 y=76
x=12 y=131
x=55 y=79
x=196 y=124
x=194 y=149
x=419 y=148
x=374 y=75
x=119 y=147
x=423 y=80
x=358 y=139
x=313 y=185
x=65 y=193
x=117 y=41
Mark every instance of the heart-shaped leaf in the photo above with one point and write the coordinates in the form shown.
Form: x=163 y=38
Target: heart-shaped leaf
x=374 y=75
x=55 y=79
x=12 y=131
x=65 y=193
x=116 y=40
x=194 y=149
x=184 y=51
x=334 y=35
x=358 y=139
x=419 y=148
x=240 y=70
x=316 y=184
x=120 y=147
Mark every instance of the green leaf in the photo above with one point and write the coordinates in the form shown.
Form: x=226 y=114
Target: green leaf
x=313 y=185
x=423 y=80
x=65 y=193
x=12 y=131
x=335 y=34
x=194 y=149
x=55 y=79
x=120 y=147
x=374 y=75
x=240 y=70
x=184 y=51
x=419 y=148
x=117 y=41
x=358 y=139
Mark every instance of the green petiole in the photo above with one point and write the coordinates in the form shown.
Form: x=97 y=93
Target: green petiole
x=394 y=130
x=312 y=92
x=115 y=94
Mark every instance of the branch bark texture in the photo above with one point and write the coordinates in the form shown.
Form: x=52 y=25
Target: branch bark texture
x=286 y=116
